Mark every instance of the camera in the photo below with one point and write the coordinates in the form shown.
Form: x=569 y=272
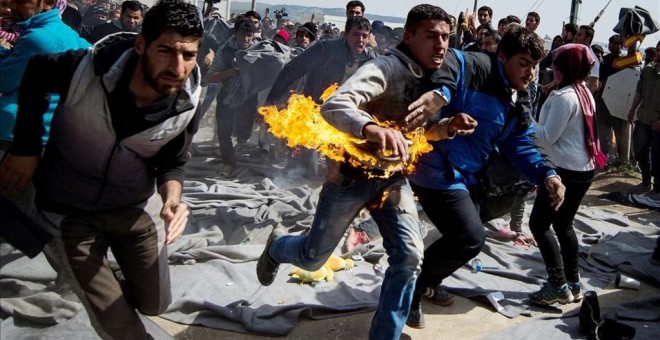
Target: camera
x=279 y=14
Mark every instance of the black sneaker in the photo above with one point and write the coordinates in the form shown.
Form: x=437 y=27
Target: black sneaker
x=266 y=267
x=550 y=294
x=416 y=318
x=440 y=296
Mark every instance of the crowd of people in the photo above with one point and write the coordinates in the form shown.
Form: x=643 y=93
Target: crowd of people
x=95 y=152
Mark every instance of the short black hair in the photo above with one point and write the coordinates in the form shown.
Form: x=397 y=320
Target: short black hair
x=351 y=4
x=493 y=33
x=172 y=16
x=132 y=6
x=571 y=28
x=615 y=38
x=512 y=18
x=597 y=49
x=253 y=14
x=244 y=25
x=360 y=22
x=588 y=32
x=518 y=39
x=487 y=9
x=535 y=16
x=483 y=27
x=424 y=12
x=503 y=21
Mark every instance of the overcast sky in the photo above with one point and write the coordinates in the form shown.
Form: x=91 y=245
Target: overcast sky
x=553 y=12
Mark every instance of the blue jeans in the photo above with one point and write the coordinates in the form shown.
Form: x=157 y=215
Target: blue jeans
x=340 y=201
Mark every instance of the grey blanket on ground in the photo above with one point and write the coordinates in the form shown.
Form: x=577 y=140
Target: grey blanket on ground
x=643 y=315
x=213 y=265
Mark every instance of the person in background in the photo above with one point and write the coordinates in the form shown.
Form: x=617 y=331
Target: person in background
x=533 y=20
x=71 y=16
x=513 y=19
x=567 y=133
x=556 y=42
x=598 y=53
x=43 y=32
x=354 y=9
x=224 y=70
x=489 y=41
x=129 y=21
x=585 y=36
x=95 y=15
x=282 y=37
x=306 y=35
x=485 y=15
x=645 y=115
x=255 y=18
x=323 y=64
x=7 y=34
x=116 y=185
x=649 y=55
x=607 y=123
x=501 y=26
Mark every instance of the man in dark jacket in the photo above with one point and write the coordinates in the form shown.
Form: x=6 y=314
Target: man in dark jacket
x=129 y=21
x=225 y=71
x=96 y=182
x=323 y=64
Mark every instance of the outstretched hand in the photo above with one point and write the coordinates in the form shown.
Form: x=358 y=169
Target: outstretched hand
x=462 y=124
x=524 y=241
x=422 y=109
x=175 y=215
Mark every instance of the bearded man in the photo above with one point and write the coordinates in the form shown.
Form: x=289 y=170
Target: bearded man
x=111 y=175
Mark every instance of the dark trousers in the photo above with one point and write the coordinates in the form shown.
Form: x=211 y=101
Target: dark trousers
x=463 y=235
x=647 y=153
x=137 y=238
x=606 y=125
x=238 y=120
x=565 y=253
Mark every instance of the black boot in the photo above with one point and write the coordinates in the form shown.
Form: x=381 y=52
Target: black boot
x=589 y=314
x=610 y=329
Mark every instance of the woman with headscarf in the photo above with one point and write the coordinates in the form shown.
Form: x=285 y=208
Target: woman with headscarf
x=566 y=132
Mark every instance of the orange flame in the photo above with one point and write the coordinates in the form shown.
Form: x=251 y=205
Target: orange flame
x=302 y=125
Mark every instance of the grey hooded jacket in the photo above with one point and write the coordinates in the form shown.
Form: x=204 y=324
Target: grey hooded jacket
x=382 y=88
x=86 y=166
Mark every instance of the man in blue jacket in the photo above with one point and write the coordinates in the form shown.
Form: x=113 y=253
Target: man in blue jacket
x=491 y=89
x=42 y=31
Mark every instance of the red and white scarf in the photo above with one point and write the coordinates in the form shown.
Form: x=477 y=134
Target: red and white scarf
x=576 y=59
